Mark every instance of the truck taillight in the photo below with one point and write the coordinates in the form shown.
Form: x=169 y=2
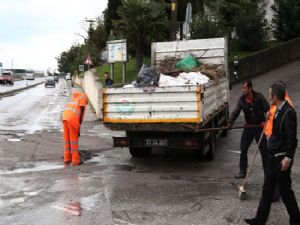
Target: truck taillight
x=121 y=142
x=189 y=142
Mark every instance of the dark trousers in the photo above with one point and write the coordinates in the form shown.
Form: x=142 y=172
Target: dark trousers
x=247 y=137
x=274 y=176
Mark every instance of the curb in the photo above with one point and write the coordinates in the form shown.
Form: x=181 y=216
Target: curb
x=20 y=89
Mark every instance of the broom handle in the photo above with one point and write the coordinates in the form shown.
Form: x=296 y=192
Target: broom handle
x=255 y=154
x=227 y=128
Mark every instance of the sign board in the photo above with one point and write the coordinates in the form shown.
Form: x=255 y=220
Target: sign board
x=117 y=51
x=81 y=68
x=88 y=60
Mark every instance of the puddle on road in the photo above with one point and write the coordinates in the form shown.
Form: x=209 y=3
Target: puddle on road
x=15 y=139
x=6 y=202
x=73 y=208
x=110 y=162
x=37 y=167
x=33 y=193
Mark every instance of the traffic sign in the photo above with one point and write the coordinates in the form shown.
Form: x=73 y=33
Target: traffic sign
x=81 y=68
x=88 y=60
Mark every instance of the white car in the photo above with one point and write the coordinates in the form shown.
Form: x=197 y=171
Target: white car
x=29 y=75
x=68 y=76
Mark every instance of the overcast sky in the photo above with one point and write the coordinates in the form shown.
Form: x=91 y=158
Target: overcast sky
x=34 y=32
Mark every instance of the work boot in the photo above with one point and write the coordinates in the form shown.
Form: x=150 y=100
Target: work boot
x=241 y=175
x=254 y=221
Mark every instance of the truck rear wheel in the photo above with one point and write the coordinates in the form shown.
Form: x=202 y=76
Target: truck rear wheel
x=140 y=152
x=210 y=155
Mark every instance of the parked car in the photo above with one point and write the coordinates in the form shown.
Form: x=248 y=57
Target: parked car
x=29 y=75
x=50 y=81
x=7 y=78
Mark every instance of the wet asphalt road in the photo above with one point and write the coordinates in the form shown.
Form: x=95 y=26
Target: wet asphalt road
x=112 y=188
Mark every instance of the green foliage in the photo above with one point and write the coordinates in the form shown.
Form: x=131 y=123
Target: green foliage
x=251 y=31
x=141 y=22
x=111 y=14
x=206 y=27
x=286 y=19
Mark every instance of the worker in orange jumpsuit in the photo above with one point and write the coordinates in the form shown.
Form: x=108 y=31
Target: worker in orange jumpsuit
x=72 y=119
x=269 y=129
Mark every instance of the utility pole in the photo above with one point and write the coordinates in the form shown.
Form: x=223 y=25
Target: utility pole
x=89 y=41
x=173 y=20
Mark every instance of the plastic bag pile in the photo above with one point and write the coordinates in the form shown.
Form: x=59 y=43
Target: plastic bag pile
x=147 y=75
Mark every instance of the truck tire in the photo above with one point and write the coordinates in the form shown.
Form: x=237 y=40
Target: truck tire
x=137 y=152
x=224 y=133
x=198 y=155
x=210 y=155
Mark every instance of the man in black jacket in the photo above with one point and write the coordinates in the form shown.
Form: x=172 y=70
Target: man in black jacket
x=255 y=106
x=282 y=145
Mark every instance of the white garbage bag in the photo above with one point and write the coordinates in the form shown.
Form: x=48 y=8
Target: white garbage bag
x=192 y=78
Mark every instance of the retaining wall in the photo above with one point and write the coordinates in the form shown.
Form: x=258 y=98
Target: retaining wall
x=265 y=60
x=89 y=81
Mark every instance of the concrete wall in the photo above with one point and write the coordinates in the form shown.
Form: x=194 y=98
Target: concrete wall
x=266 y=60
x=93 y=88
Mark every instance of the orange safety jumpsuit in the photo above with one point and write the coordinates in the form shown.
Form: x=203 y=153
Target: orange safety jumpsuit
x=269 y=125
x=72 y=118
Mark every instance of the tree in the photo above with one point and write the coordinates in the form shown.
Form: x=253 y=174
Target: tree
x=111 y=14
x=286 y=19
x=69 y=61
x=141 y=22
x=206 y=27
x=251 y=31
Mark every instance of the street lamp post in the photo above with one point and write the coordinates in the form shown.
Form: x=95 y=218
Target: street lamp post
x=173 y=20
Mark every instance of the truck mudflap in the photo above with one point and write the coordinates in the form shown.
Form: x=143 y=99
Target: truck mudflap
x=187 y=143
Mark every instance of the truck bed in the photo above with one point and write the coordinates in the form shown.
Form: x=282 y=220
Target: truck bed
x=173 y=108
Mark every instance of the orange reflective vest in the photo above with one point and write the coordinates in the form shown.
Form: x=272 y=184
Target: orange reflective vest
x=269 y=125
x=72 y=113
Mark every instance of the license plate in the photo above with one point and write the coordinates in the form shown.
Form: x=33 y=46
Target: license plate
x=156 y=142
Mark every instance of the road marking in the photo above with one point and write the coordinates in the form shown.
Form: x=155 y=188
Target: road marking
x=232 y=151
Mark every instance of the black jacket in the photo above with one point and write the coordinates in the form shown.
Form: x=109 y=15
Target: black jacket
x=254 y=112
x=109 y=82
x=284 y=134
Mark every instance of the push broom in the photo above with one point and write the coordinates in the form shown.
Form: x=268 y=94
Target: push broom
x=242 y=190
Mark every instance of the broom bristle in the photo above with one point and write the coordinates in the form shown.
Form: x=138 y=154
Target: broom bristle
x=242 y=193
